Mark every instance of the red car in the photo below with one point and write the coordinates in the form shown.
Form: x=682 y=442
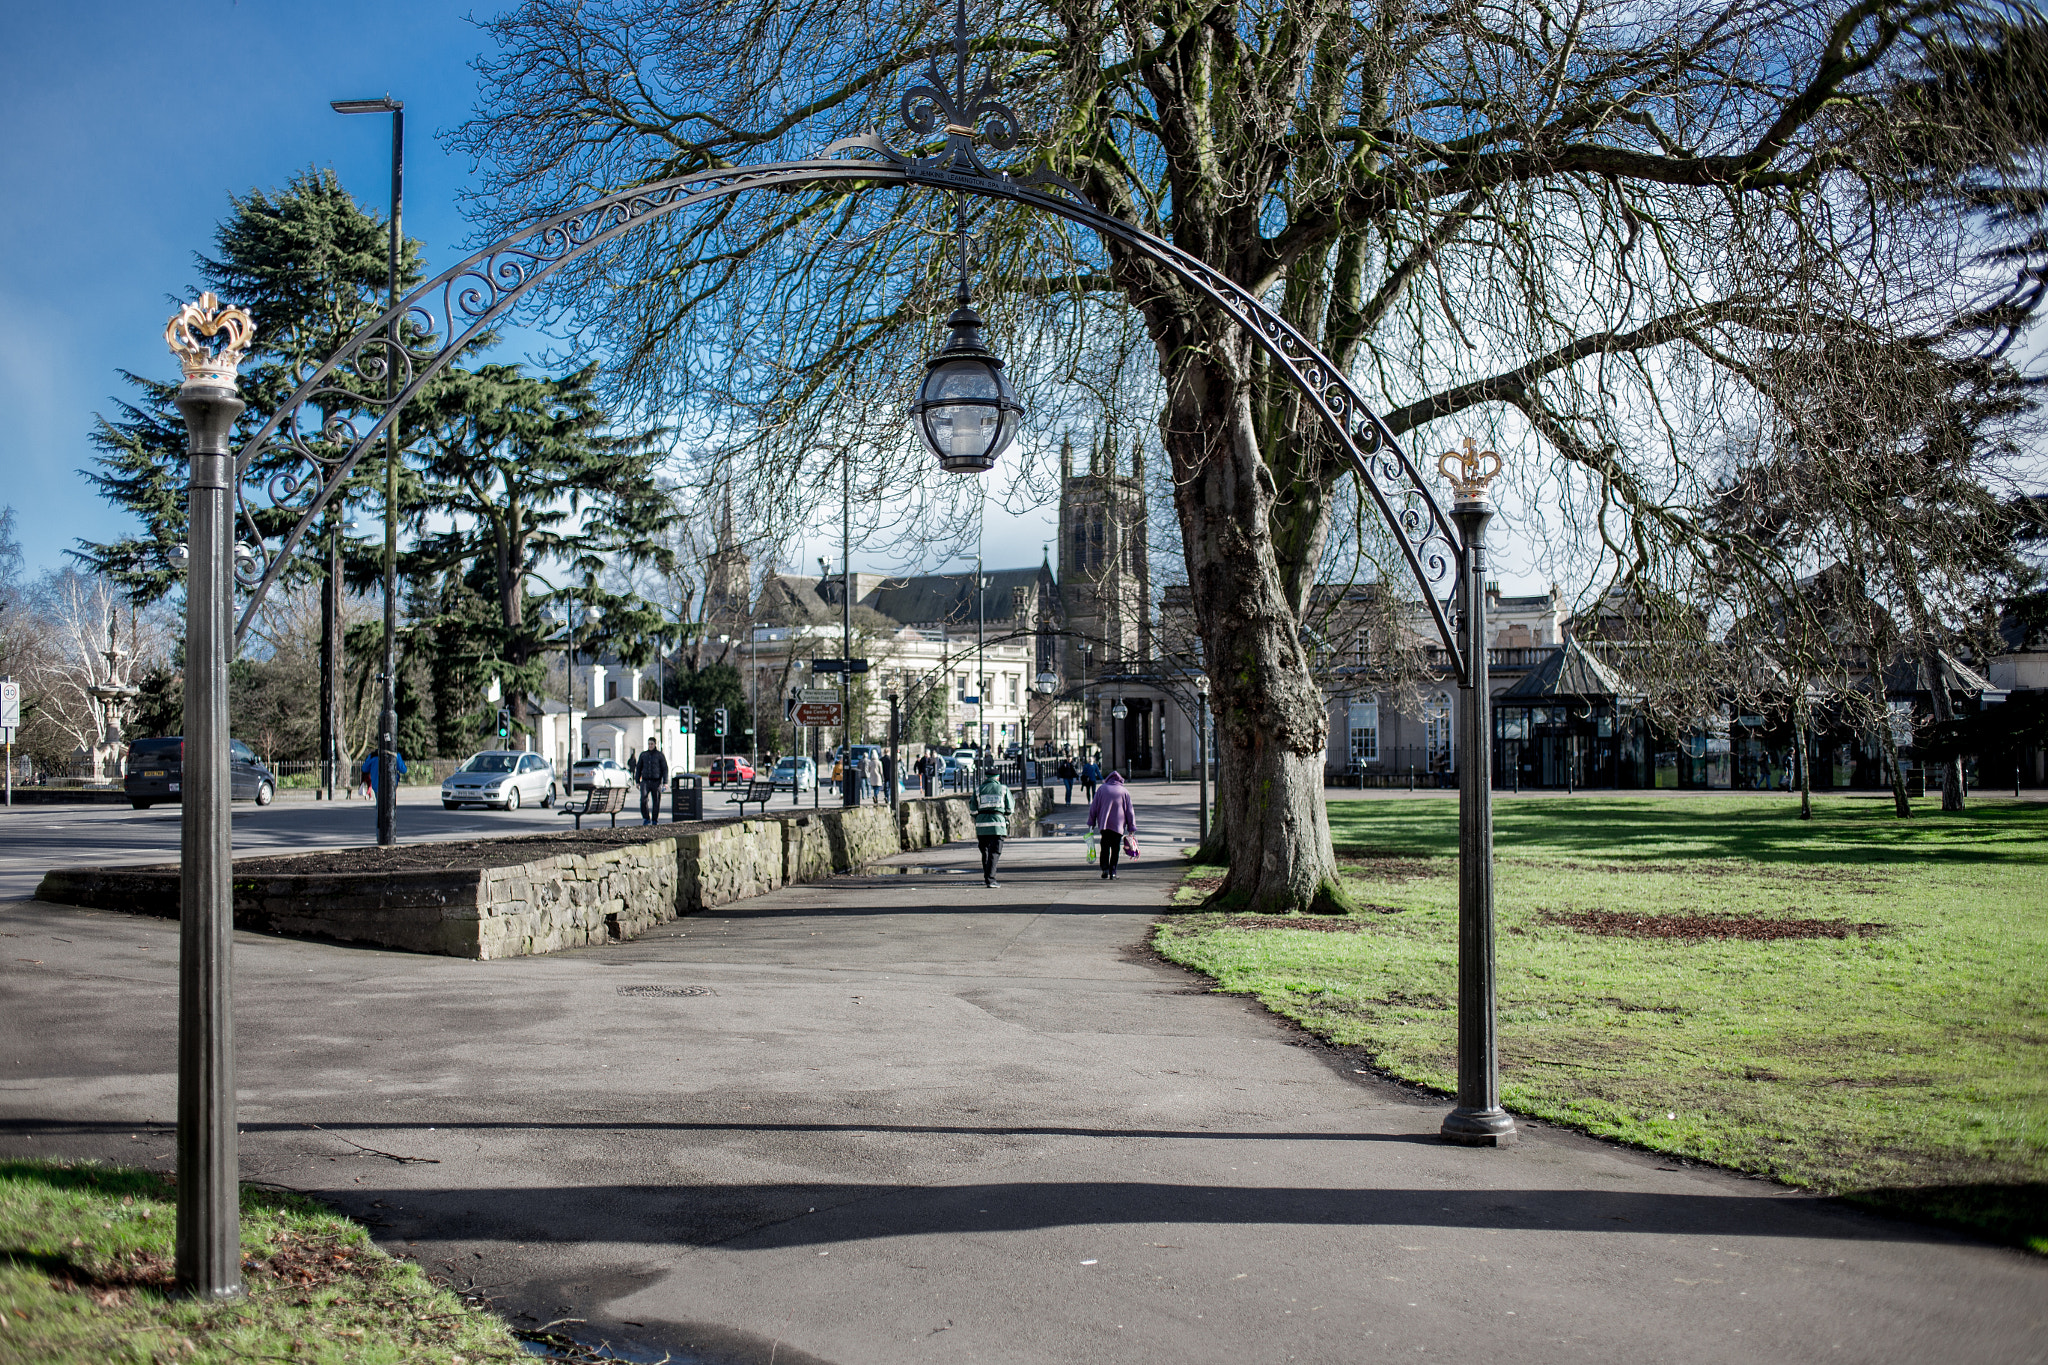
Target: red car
x=724 y=770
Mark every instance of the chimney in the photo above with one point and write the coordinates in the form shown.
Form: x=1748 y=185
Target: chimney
x=632 y=688
x=596 y=693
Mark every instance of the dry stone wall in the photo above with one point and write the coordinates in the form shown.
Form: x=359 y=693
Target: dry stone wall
x=566 y=900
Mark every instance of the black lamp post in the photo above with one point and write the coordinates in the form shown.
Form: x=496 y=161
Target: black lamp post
x=209 y=1255
x=387 y=722
x=1478 y=1120
x=1202 y=751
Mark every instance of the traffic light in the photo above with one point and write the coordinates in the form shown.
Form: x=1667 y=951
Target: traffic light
x=504 y=722
x=718 y=722
x=689 y=720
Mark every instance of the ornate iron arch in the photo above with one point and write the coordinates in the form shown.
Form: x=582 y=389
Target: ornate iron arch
x=467 y=298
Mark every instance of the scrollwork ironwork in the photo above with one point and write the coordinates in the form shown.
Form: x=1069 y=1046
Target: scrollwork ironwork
x=456 y=306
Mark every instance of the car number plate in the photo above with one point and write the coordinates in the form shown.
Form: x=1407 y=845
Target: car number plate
x=154 y=772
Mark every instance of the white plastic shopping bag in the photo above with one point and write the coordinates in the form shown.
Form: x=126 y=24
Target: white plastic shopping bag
x=1090 y=843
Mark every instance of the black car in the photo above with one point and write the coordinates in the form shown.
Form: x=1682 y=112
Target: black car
x=156 y=769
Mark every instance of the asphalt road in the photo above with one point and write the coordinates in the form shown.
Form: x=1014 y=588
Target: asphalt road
x=897 y=1117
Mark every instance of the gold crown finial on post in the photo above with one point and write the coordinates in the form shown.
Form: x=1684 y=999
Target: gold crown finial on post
x=209 y=340
x=1469 y=470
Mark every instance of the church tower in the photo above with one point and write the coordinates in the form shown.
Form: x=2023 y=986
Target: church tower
x=728 y=593
x=1105 y=577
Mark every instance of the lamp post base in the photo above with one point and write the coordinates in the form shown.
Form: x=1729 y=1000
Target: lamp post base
x=1479 y=1128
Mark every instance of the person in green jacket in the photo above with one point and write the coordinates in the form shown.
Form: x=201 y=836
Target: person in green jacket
x=992 y=807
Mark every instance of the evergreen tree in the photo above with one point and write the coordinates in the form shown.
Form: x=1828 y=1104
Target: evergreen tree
x=309 y=264
x=707 y=689
x=521 y=472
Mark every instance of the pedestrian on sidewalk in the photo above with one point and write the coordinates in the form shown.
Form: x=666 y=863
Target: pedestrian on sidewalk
x=1067 y=773
x=1091 y=773
x=371 y=766
x=992 y=807
x=1110 y=814
x=651 y=770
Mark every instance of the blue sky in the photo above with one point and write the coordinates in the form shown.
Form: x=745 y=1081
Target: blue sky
x=129 y=126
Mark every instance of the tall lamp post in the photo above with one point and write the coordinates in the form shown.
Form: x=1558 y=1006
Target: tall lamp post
x=1478 y=1120
x=1202 y=750
x=1117 y=712
x=387 y=722
x=209 y=1236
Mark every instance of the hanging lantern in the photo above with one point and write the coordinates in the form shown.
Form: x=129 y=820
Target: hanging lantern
x=966 y=413
x=1047 y=684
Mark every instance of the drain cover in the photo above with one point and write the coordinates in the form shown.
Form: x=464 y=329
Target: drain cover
x=666 y=990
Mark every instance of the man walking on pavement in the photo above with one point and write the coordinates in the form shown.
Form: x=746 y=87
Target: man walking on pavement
x=1110 y=812
x=1067 y=774
x=651 y=769
x=992 y=807
x=1091 y=773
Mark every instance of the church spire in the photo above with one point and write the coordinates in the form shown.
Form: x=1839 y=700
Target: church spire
x=1067 y=457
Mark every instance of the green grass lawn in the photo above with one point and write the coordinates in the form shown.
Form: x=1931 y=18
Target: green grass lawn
x=85 y=1266
x=1900 y=1063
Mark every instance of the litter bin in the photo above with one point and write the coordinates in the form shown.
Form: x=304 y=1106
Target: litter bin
x=686 y=797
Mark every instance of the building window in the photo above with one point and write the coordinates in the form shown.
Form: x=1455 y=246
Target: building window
x=1013 y=689
x=960 y=686
x=1365 y=731
x=1436 y=732
x=611 y=690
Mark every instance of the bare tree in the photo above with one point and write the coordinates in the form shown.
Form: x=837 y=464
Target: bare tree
x=1579 y=230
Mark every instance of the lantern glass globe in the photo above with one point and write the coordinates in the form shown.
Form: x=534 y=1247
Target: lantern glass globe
x=966 y=414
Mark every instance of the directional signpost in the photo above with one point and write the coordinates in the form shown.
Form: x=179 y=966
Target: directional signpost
x=839 y=665
x=818 y=705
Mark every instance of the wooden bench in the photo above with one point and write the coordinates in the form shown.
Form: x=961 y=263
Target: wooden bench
x=759 y=790
x=597 y=801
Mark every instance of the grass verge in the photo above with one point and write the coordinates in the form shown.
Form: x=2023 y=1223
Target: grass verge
x=1856 y=1005
x=85 y=1276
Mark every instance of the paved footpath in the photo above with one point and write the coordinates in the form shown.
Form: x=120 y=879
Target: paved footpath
x=898 y=1118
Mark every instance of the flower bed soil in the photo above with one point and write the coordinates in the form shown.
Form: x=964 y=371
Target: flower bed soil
x=1759 y=928
x=460 y=855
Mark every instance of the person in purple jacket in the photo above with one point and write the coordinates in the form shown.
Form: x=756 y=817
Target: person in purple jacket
x=1110 y=813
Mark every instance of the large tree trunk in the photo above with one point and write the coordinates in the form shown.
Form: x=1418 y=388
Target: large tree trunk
x=1888 y=745
x=1802 y=732
x=1271 y=723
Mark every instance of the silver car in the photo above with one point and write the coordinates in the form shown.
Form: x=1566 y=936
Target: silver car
x=505 y=778
x=597 y=772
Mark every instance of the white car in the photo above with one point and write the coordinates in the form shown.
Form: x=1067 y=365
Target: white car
x=505 y=778
x=586 y=773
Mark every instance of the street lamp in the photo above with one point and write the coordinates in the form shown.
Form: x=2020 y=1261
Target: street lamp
x=1202 y=751
x=387 y=723
x=1478 y=1120
x=965 y=411
x=209 y=341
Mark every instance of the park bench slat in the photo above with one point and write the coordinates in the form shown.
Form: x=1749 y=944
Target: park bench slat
x=600 y=801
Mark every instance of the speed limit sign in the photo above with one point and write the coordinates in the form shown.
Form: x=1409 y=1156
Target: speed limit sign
x=10 y=705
